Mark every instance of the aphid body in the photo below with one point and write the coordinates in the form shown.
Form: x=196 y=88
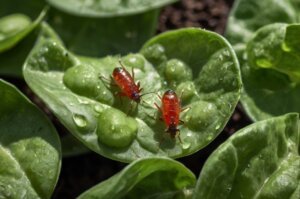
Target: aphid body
x=170 y=109
x=126 y=83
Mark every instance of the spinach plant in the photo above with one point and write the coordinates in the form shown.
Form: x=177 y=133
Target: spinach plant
x=30 y=154
x=17 y=37
x=155 y=177
x=86 y=104
x=101 y=28
x=267 y=43
x=259 y=161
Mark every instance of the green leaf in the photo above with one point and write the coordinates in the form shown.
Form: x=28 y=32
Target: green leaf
x=17 y=37
x=151 y=178
x=85 y=103
x=30 y=154
x=100 y=37
x=271 y=72
x=107 y=8
x=249 y=15
x=14 y=28
x=72 y=146
x=259 y=161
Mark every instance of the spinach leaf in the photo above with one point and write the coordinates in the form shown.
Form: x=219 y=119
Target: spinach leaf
x=72 y=146
x=107 y=8
x=17 y=37
x=259 y=161
x=249 y=15
x=99 y=37
x=14 y=28
x=271 y=72
x=155 y=177
x=269 y=57
x=85 y=103
x=30 y=154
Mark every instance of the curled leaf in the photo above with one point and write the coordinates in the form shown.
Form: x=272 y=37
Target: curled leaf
x=259 y=161
x=30 y=154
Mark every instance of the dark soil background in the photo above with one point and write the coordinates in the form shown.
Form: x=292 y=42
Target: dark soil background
x=84 y=171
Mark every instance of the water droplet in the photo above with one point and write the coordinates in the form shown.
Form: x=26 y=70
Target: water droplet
x=264 y=63
x=71 y=104
x=189 y=134
x=98 y=108
x=210 y=137
x=112 y=127
x=285 y=47
x=228 y=188
x=218 y=126
x=186 y=145
x=83 y=101
x=79 y=120
x=248 y=165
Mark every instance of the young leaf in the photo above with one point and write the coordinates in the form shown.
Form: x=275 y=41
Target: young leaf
x=87 y=35
x=14 y=28
x=271 y=72
x=30 y=154
x=150 y=178
x=107 y=8
x=249 y=15
x=17 y=37
x=259 y=161
x=79 y=92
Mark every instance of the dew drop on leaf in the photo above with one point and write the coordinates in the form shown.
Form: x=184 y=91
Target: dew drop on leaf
x=186 y=145
x=98 y=108
x=79 y=120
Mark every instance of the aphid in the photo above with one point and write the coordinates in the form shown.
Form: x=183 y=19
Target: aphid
x=170 y=109
x=126 y=83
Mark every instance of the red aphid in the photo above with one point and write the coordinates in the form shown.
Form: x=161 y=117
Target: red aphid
x=170 y=109
x=126 y=83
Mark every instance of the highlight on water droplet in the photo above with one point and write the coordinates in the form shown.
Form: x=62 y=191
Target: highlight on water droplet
x=98 y=108
x=79 y=120
x=264 y=63
x=186 y=145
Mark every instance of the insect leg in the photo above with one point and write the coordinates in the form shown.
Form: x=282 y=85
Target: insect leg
x=132 y=73
x=107 y=81
x=185 y=108
x=120 y=95
x=178 y=135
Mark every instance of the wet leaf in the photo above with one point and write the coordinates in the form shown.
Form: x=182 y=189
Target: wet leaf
x=107 y=8
x=260 y=161
x=72 y=146
x=14 y=28
x=172 y=179
x=268 y=55
x=17 y=37
x=271 y=73
x=249 y=15
x=87 y=35
x=86 y=104
x=30 y=154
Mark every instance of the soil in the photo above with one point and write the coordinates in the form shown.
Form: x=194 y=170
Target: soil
x=82 y=172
